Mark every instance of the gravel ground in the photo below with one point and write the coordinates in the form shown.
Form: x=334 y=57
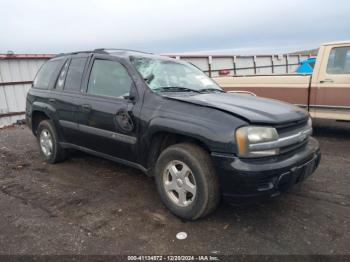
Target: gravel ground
x=87 y=205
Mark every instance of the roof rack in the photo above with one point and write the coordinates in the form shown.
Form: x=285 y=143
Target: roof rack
x=119 y=49
x=82 y=52
x=74 y=53
x=100 y=51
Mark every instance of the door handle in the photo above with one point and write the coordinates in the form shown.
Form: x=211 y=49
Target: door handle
x=52 y=100
x=86 y=108
x=326 y=81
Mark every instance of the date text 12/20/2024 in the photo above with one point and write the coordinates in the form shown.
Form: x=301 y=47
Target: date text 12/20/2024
x=174 y=258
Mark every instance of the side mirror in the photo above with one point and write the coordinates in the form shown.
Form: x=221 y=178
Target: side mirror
x=148 y=79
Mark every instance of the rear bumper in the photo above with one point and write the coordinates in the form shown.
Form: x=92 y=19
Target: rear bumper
x=252 y=179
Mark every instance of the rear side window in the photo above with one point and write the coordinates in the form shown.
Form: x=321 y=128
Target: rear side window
x=62 y=77
x=75 y=74
x=339 y=61
x=46 y=74
x=109 y=78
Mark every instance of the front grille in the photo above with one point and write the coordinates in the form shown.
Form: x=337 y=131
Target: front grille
x=287 y=149
x=292 y=129
x=291 y=126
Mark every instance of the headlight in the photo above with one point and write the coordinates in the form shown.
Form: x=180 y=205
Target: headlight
x=248 y=135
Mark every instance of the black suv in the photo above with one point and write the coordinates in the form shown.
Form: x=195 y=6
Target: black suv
x=170 y=120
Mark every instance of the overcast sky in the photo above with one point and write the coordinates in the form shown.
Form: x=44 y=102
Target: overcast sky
x=167 y=26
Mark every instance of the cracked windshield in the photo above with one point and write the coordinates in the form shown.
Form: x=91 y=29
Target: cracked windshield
x=165 y=75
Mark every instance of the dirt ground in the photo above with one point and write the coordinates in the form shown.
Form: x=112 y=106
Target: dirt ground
x=87 y=205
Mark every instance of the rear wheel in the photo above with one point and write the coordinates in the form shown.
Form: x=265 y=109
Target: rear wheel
x=186 y=181
x=49 y=146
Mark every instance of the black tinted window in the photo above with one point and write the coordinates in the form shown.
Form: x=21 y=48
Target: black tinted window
x=75 y=74
x=109 y=78
x=46 y=73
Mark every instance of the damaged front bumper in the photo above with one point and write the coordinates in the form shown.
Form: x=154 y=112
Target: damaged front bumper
x=251 y=179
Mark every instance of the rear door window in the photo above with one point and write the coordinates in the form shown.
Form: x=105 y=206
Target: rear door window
x=75 y=74
x=109 y=78
x=62 y=76
x=46 y=74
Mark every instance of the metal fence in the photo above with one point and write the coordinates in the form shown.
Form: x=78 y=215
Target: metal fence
x=216 y=65
x=16 y=75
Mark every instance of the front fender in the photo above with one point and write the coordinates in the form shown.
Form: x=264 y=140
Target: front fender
x=218 y=138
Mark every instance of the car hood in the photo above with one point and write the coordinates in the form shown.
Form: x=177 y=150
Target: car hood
x=253 y=109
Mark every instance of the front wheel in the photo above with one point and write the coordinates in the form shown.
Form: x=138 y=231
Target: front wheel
x=186 y=181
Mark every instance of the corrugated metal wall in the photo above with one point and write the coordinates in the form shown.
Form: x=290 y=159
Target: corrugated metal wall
x=16 y=75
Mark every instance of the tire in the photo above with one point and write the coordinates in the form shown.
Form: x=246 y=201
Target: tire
x=49 y=146
x=171 y=171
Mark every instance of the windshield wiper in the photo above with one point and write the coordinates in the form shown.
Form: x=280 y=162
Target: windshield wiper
x=207 y=90
x=175 y=89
